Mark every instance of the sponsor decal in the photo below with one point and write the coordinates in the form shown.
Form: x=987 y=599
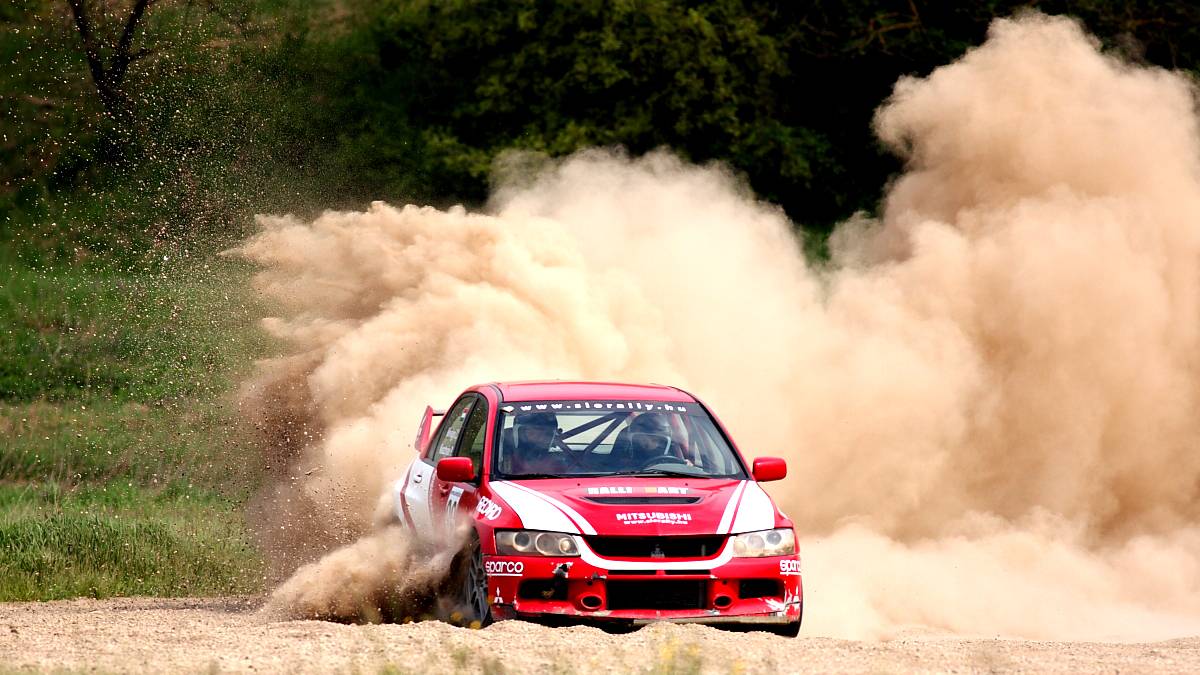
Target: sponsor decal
x=649 y=517
x=486 y=508
x=504 y=568
x=621 y=490
x=789 y=568
x=610 y=491
x=452 y=507
x=790 y=598
x=603 y=406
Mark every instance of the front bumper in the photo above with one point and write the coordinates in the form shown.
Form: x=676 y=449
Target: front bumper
x=720 y=590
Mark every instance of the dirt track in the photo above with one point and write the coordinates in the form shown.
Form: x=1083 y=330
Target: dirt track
x=214 y=635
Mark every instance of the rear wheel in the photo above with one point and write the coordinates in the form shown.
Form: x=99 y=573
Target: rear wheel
x=473 y=588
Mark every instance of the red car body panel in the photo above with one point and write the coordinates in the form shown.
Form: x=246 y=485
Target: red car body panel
x=581 y=391
x=650 y=548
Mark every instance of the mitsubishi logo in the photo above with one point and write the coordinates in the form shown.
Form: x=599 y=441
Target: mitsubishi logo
x=657 y=552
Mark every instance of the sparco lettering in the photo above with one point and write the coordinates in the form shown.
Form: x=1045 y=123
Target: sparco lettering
x=504 y=568
x=789 y=567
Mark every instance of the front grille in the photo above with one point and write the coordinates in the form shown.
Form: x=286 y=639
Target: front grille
x=643 y=500
x=657 y=594
x=759 y=588
x=656 y=547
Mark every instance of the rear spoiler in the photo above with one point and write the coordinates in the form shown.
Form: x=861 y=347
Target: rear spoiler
x=422 y=440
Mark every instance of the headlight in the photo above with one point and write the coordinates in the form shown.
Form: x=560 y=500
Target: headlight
x=530 y=542
x=764 y=543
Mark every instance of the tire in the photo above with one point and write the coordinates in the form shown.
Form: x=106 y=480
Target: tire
x=471 y=588
x=789 y=630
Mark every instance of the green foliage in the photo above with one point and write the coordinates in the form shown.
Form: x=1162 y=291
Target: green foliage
x=556 y=77
x=429 y=93
x=844 y=57
x=243 y=107
x=122 y=468
x=412 y=100
x=189 y=161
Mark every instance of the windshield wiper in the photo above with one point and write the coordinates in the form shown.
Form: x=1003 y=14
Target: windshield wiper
x=660 y=472
x=523 y=476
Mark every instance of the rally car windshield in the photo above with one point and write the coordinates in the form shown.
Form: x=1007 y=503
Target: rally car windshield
x=576 y=439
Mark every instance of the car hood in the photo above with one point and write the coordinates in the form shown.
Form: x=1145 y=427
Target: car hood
x=637 y=506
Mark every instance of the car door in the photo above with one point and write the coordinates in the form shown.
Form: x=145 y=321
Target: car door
x=452 y=499
x=419 y=491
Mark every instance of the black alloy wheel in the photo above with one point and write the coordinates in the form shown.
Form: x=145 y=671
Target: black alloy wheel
x=473 y=588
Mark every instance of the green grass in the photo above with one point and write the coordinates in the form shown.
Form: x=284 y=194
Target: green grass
x=72 y=332
x=119 y=539
x=123 y=464
x=153 y=445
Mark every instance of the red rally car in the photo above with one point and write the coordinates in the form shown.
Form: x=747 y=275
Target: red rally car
x=601 y=502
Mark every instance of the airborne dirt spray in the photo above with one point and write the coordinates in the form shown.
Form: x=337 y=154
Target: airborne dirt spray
x=987 y=400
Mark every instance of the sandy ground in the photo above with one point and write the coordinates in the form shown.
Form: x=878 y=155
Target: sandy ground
x=227 y=634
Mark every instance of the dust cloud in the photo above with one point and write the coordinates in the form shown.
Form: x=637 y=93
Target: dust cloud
x=378 y=577
x=986 y=397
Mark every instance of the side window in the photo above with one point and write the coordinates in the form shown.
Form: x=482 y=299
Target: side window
x=473 y=437
x=450 y=430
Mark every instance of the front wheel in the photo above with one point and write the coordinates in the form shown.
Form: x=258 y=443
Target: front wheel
x=473 y=588
x=790 y=630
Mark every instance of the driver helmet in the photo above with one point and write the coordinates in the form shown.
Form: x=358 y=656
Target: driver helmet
x=534 y=432
x=650 y=435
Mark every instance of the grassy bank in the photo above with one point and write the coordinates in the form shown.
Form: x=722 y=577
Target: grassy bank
x=123 y=467
x=112 y=539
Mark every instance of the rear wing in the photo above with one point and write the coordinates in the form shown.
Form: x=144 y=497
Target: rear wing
x=423 y=432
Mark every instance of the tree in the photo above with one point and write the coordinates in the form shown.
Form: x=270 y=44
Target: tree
x=108 y=75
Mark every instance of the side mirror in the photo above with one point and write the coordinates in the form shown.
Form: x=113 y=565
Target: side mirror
x=455 y=469
x=765 y=469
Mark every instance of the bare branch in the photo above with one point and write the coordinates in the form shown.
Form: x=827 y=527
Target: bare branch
x=139 y=8
x=122 y=57
x=110 y=77
x=90 y=47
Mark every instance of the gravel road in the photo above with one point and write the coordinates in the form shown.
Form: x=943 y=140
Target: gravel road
x=229 y=635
